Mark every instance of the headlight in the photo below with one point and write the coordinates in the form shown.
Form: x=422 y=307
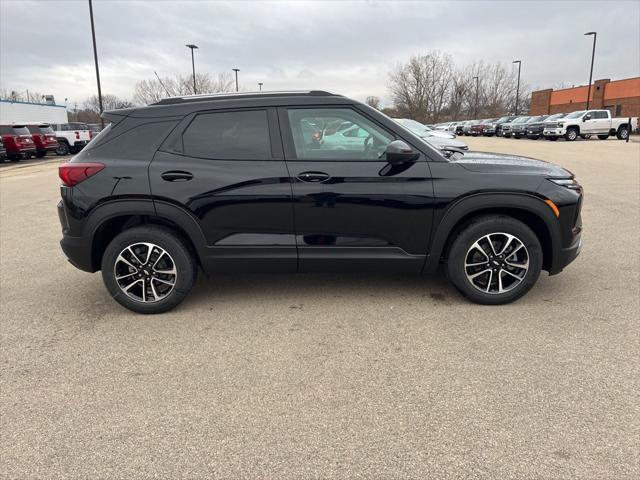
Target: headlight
x=567 y=183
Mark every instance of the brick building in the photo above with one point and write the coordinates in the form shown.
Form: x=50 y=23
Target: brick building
x=621 y=97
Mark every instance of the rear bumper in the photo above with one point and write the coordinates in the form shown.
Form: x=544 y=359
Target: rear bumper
x=77 y=252
x=76 y=249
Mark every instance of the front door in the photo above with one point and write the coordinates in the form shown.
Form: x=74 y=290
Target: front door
x=352 y=209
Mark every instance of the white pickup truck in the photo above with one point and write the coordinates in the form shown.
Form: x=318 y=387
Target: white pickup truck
x=72 y=137
x=585 y=123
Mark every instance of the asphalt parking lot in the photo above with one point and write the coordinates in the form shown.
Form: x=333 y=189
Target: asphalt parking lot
x=326 y=376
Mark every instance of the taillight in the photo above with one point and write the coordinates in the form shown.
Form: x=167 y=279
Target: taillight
x=72 y=174
x=90 y=134
x=77 y=135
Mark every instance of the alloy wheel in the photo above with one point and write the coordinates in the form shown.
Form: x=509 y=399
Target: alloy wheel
x=496 y=263
x=145 y=272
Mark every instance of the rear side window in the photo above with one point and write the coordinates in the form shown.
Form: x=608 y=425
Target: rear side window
x=242 y=135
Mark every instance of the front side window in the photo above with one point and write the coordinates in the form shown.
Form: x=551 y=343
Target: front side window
x=318 y=135
x=240 y=135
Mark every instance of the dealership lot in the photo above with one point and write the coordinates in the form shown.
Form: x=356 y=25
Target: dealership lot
x=326 y=376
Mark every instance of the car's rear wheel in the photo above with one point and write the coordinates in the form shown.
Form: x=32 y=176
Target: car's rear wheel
x=494 y=260
x=603 y=137
x=63 y=148
x=623 y=133
x=148 y=269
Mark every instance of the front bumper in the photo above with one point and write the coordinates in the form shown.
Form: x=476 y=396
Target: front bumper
x=567 y=255
x=556 y=132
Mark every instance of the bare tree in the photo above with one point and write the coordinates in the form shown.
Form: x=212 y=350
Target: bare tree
x=430 y=88
x=109 y=102
x=373 y=101
x=152 y=90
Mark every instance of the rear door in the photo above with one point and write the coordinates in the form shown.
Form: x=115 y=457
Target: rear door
x=353 y=210
x=226 y=169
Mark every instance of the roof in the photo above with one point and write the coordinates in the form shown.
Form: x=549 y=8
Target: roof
x=238 y=95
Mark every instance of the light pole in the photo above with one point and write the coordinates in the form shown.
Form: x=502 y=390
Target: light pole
x=236 y=70
x=95 y=58
x=475 y=109
x=260 y=85
x=593 y=54
x=192 y=47
x=519 y=62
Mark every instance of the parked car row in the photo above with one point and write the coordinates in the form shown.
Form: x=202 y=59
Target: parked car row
x=23 y=141
x=582 y=123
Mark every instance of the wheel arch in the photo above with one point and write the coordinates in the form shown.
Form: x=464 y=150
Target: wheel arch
x=114 y=217
x=529 y=209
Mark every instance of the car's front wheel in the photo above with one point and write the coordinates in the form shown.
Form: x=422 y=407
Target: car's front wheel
x=148 y=269
x=494 y=260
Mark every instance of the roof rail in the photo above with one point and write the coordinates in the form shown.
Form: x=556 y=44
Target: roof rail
x=222 y=96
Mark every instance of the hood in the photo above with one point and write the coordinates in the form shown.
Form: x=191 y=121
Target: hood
x=441 y=134
x=485 y=162
x=444 y=142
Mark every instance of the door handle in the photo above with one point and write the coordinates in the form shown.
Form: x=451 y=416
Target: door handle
x=313 y=177
x=176 y=176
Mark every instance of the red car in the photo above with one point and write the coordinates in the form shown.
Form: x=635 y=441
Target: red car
x=44 y=138
x=17 y=141
x=478 y=128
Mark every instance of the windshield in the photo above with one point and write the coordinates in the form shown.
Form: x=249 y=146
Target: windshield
x=20 y=130
x=575 y=114
x=46 y=129
x=414 y=127
x=535 y=119
x=520 y=120
x=555 y=117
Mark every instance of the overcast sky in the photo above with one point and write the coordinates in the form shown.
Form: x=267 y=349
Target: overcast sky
x=345 y=47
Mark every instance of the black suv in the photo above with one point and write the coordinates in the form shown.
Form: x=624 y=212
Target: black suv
x=270 y=182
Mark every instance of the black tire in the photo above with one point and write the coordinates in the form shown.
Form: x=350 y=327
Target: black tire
x=41 y=154
x=623 y=132
x=180 y=255
x=517 y=136
x=475 y=231
x=63 y=148
x=553 y=139
x=506 y=135
x=571 y=135
x=15 y=158
x=603 y=137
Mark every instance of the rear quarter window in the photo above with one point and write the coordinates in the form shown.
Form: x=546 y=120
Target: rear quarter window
x=139 y=142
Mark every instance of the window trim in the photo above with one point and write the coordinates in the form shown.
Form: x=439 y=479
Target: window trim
x=289 y=144
x=174 y=143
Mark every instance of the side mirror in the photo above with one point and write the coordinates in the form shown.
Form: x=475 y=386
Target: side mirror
x=399 y=152
x=586 y=117
x=448 y=151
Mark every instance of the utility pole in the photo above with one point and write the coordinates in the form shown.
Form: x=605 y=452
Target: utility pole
x=260 y=85
x=519 y=62
x=193 y=65
x=236 y=70
x=95 y=57
x=475 y=109
x=593 y=54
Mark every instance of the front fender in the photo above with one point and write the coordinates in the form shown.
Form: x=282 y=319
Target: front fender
x=486 y=203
